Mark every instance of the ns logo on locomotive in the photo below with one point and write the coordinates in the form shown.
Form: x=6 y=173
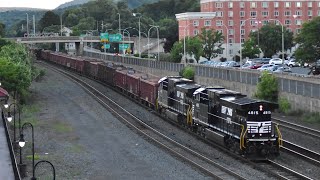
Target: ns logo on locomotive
x=227 y=117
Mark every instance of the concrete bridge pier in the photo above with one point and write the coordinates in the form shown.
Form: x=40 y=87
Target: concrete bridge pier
x=57 y=47
x=79 y=48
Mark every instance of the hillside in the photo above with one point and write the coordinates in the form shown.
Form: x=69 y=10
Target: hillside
x=4 y=9
x=131 y=3
x=72 y=3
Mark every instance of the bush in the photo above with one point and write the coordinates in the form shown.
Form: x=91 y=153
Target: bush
x=267 y=88
x=312 y=117
x=187 y=72
x=284 y=105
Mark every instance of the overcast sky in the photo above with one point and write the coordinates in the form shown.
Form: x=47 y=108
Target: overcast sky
x=43 y=4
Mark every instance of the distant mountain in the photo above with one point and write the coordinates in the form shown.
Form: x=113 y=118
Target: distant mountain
x=4 y=9
x=72 y=3
x=131 y=3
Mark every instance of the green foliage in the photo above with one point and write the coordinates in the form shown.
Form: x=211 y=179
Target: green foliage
x=49 y=19
x=249 y=49
x=188 y=72
x=267 y=88
x=194 y=47
x=212 y=42
x=284 y=105
x=2 y=30
x=312 y=117
x=270 y=39
x=176 y=52
x=165 y=57
x=308 y=40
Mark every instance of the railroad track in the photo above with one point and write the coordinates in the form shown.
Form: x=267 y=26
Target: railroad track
x=306 y=154
x=297 y=128
x=283 y=172
x=203 y=163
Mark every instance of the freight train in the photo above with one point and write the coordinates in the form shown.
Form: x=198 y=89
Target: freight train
x=226 y=117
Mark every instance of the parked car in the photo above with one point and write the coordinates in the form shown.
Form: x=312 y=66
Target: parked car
x=292 y=63
x=267 y=67
x=282 y=69
x=275 y=61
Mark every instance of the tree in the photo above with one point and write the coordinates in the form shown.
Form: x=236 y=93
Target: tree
x=308 y=40
x=270 y=39
x=194 y=47
x=267 y=88
x=249 y=49
x=2 y=30
x=212 y=42
x=49 y=19
x=176 y=52
x=169 y=31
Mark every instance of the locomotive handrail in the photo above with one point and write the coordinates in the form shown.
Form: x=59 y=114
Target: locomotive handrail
x=241 y=139
x=280 y=141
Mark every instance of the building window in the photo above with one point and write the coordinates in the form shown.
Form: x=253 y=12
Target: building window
x=195 y=32
x=242 y=4
x=276 y=13
x=242 y=31
x=253 y=22
x=277 y=23
x=218 y=23
x=318 y=13
x=220 y=31
x=287 y=13
x=298 y=31
x=276 y=4
x=253 y=13
x=230 y=50
x=242 y=13
x=298 y=4
x=242 y=40
x=207 y=23
x=265 y=13
x=219 y=14
x=288 y=29
x=318 y=4
x=287 y=4
x=230 y=13
x=230 y=4
x=231 y=31
x=230 y=40
x=253 y=4
x=195 y=23
x=265 y=4
x=298 y=22
x=309 y=12
x=309 y=4
x=287 y=22
x=230 y=23
x=242 y=22
x=219 y=5
x=299 y=13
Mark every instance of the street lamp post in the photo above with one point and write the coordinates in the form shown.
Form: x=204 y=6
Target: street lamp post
x=34 y=25
x=10 y=118
x=61 y=24
x=157 y=27
x=22 y=143
x=44 y=161
x=241 y=38
x=135 y=14
x=227 y=42
x=184 y=42
x=119 y=24
x=27 y=25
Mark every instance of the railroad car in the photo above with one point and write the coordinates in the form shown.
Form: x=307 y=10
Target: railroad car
x=224 y=116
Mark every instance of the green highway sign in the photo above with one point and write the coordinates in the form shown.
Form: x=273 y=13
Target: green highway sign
x=124 y=46
x=106 y=46
x=115 y=37
x=104 y=37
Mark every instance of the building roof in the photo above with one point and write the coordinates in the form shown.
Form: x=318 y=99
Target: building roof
x=195 y=15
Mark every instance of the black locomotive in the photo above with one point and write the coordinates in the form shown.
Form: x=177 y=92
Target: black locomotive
x=230 y=118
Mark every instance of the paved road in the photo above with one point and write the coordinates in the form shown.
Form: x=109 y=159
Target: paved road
x=6 y=171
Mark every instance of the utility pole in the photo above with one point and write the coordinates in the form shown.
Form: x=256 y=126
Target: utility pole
x=27 y=24
x=34 y=25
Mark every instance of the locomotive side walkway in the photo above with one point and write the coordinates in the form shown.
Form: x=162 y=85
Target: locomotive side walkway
x=6 y=170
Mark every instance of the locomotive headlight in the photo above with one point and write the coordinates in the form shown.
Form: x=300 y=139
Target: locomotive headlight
x=253 y=135
x=260 y=134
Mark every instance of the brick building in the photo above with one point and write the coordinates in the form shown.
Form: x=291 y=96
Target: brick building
x=238 y=17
